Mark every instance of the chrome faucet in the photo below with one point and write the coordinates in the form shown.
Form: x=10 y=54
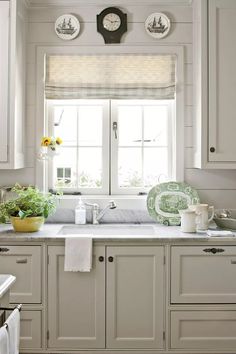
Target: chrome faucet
x=97 y=214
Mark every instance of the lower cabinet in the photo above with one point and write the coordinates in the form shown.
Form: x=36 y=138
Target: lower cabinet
x=130 y=279
x=76 y=302
x=203 y=297
x=135 y=297
x=30 y=330
x=203 y=330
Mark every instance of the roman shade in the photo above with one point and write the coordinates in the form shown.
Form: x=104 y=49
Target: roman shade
x=131 y=76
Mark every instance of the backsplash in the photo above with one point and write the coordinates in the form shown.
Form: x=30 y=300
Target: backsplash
x=64 y=215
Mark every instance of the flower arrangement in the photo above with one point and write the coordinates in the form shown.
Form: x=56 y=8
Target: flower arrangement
x=51 y=142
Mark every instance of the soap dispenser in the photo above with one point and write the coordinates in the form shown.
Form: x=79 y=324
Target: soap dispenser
x=80 y=213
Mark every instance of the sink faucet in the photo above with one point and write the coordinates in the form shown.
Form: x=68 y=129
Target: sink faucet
x=97 y=214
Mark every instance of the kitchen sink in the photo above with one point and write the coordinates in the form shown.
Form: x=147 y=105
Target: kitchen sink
x=108 y=229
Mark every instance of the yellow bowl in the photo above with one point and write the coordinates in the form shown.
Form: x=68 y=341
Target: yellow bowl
x=29 y=224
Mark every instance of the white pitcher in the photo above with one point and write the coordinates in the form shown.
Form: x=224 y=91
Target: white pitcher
x=189 y=220
x=203 y=210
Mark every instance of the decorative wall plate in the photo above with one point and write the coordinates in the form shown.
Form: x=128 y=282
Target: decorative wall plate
x=67 y=27
x=157 y=25
x=166 y=199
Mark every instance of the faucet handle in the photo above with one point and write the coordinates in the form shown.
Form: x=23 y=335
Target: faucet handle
x=95 y=206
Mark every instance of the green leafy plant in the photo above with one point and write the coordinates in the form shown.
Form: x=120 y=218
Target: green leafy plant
x=30 y=202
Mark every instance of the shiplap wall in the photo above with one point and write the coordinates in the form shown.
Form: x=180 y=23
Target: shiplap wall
x=216 y=187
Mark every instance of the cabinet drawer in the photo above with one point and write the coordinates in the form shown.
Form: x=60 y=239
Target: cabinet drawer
x=203 y=274
x=30 y=330
x=203 y=330
x=25 y=263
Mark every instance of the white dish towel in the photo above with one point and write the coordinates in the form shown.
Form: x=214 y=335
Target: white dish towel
x=220 y=233
x=78 y=253
x=4 y=341
x=13 y=329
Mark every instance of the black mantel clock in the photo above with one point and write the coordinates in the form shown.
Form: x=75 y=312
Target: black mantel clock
x=112 y=24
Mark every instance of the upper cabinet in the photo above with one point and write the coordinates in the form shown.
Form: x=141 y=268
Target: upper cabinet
x=214 y=83
x=12 y=83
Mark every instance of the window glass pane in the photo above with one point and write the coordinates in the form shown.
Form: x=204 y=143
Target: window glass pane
x=130 y=167
x=65 y=124
x=90 y=125
x=66 y=161
x=155 y=125
x=130 y=125
x=155 y=166
x=90 y=167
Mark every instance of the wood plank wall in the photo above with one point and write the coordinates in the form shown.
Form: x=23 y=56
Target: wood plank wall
x=216 y=187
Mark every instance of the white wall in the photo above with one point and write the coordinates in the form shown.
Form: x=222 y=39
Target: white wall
x=216 y=187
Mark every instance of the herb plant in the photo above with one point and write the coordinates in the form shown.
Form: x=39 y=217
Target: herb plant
x=30 y=202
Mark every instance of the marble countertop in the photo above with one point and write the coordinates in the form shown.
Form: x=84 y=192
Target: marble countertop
x=160 y=233
x=6 y=281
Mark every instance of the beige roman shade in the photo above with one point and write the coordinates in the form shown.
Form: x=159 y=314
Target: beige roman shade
x=131 y=76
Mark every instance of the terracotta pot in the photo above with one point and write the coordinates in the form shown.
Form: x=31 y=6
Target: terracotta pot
x=29 y=224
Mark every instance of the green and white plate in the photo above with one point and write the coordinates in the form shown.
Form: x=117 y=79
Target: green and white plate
x=166 y=199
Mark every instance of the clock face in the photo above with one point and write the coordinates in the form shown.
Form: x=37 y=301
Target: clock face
x=111 y=22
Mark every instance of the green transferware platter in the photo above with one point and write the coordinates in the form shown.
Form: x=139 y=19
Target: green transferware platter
x=166 y=199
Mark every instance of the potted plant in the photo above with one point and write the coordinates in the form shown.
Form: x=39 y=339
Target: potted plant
x=28 y=211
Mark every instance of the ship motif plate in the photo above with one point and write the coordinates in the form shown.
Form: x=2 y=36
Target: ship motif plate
x=67 y=27
x=166 y=199
x=157 y=25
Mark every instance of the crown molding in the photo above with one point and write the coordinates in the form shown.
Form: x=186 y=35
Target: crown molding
x=69 y=3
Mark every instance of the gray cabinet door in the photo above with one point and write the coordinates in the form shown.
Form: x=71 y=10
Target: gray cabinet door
x=222 y=72
x=209 y=330
x=203 y=274
x=24 y=262
x=135 y=297
x=30 y=330
x=76 y=303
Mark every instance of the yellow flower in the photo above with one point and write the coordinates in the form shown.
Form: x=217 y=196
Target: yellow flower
x=59 y=141
x=46 y=141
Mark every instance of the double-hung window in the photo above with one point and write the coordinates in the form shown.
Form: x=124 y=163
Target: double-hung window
x=118 y=131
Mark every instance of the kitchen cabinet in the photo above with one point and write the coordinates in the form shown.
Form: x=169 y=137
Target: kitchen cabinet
x=206 y=330
x=133 y=288
x=76 y=302
x=24 y=262
x=203 y=297
x=135 y=297
x=12 y=83
x=214 y=83
x=30 y=330
x=198 y=274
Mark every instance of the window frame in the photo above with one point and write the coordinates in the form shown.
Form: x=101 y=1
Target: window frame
x=41 y=169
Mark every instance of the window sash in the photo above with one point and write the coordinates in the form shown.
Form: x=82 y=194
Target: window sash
x=115 y=189
x=105 y=143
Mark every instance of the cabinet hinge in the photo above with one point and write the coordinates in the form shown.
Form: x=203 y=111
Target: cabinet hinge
x=48 y=258
x=47 y=334
x=164 y=335
x=164 y=260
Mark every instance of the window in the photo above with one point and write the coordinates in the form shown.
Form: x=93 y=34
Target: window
x=111 y=146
